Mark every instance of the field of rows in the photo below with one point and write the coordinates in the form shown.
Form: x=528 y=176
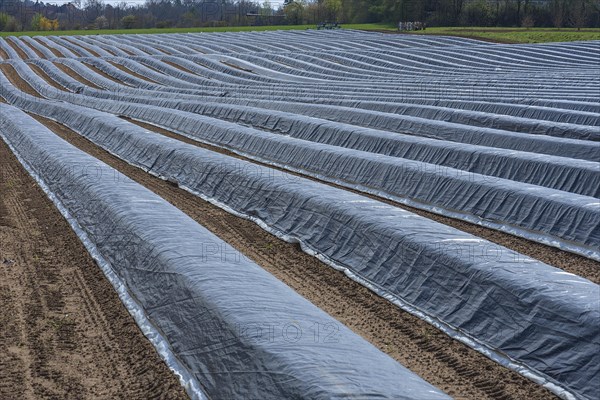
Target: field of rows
x=323 y=214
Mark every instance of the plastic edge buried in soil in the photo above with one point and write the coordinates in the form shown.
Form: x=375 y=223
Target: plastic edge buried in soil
x=189 y=383
x=451 y=331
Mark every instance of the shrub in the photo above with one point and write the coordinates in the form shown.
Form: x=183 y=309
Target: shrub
x=128 y=21
x=41 y=23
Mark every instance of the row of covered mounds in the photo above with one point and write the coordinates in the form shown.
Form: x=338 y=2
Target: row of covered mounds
x=525 y=314
x=521 y=192
x=125 y=45
x=240 y=332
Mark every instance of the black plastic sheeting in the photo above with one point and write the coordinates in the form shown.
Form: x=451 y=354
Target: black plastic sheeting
x=561 y=173
x=440 y=130
x=485 y=132
x=545 y=319
x=240 y=331
x=494 y=199
x=475 y=183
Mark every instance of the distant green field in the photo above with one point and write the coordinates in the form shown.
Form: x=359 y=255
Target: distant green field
x=503 y=35
x=520 y=35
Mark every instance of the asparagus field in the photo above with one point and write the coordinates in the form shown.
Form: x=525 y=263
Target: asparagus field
x=304 y=214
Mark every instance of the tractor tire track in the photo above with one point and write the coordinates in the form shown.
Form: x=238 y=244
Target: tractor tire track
x=64 y=333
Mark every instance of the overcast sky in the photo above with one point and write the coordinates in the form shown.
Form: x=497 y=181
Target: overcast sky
x=274 y=3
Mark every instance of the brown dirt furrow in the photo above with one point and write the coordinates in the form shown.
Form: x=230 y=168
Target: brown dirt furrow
x=564 y=260
x=3 y=55
x=64 y=333
x=12 y=75
x=47 y=78
x=76 y=76
x=179 y=67
x=131 y=53
x=165 y=51
x=109 y=51
x=130 y=72
x=66 y=38
x=52 y=49
x=76 y=52
x=104 y=74
x=152 y=68
x=442 y=361
x=36 y=51
x=20 y=52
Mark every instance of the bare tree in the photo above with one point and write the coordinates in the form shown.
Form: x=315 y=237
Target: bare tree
x=528 y=21
x=558 y=13
x=457 y=7
x=93 y=9
x=101 y=22
x=579 y=14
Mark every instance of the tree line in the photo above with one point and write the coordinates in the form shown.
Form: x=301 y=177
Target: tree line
x=18 y=15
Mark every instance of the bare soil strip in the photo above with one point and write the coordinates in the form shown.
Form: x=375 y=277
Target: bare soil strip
x=165 y=51
x=76 y=76
x=3 y=54
x=20 y=52
x=109 y=51
x=47 y=78
x=179 y=67
x=66 y=38
x=130 y=72
x=36 y=51
x=154 y=69
x=76 y=52
x=131 y=53
x=564 y=260
x=64 y=333
x=12 y=75
x=104 y=74
x=52 y=49
x=448 y=364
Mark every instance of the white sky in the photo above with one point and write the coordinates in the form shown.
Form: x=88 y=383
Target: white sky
x=274 y=3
